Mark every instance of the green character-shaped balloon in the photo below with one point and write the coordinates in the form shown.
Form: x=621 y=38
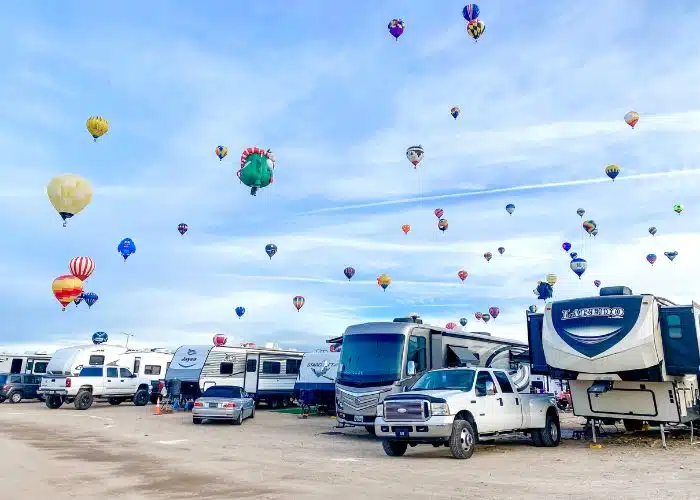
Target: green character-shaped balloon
x=257 y=168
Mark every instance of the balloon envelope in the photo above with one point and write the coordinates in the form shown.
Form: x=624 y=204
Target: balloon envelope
x=349 y=272
x=298 y=302
x=69 y=194
x=81 y=267
x=631 y=118
x=578 y=266
x=240 y=311
x=651 y=258
x=66 y=289
x=566 y=246
x=463 y=321
x=270 y=250
x=470 y=11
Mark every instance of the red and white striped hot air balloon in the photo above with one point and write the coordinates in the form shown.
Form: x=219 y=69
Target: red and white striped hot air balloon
x=81 y=267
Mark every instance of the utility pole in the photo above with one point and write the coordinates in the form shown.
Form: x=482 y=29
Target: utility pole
x=128 y=336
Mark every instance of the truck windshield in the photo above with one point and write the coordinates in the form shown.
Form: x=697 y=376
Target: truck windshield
x=371 y=359
x=460 y=380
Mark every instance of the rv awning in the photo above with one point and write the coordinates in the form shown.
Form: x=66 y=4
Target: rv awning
x=336 y=340
x=520 y=357
x=464 y=354
x=601 y=387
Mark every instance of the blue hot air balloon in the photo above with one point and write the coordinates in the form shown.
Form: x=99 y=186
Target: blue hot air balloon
x=578 y=266
x=573 y=255
x=270 y=250
x=126 y=247
x=240 y=311
x=471 y=12
x=349 y=272
x=532 y=309
x=566 y=246
x=90 y=298
x=510 y=208
x=99 y=337
x=544 y=290
x=463 y=321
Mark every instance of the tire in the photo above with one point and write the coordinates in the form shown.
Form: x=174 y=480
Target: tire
x=371 y=429
x=274 y=403
x=238 y=420
x=252 y=413
x=633 y=425
x=114 y=401
x=551 y=434
x=562 y=405
x=196 y=420
x=394 y=448
x=15 y=397
x=536 y=438
x=462 y=440
x=2 y=400
x=53 y=402
x=83 y=400
x=141 y=397
x=285 y=402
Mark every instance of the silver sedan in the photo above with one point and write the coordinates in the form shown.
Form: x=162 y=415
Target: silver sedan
x=223 y=402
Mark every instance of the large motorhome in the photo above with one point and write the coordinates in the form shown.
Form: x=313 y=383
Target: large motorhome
x=268 y=373
x=29 y=362
x=626 y=357
x=378 y=359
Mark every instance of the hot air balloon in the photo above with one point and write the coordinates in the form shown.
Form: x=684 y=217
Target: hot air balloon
x=478 y=315
x=594 y=233
x=349 y=272
x=451 y=325
x=596 y=283
x=501 y=250
x=384 y=281
x=442 y=225
x=580 y=212
x=566 y=246
x=66 y=289
x=651 y=258
x=97 y=126
x=573 y=255
x=471 y=12
x=298 y=302
x=81 y=267
x=462 y=274
x=578 y=265
x=652 y=230
x=240 y=311
x=78 y=300
x=589 y=226
x=438 y=212
x=678 y=208
x=257 y=168
x=454 y=112
x=631 y=118
x=510 y=208
x=612 y=171
x=415 y=155
x=90 y=298
x=396 y=27
x=182 y=228
x=69 y=194
x=219 y=340
x=532 y=308
x=476 y=28
x=221 y=152
x=551 y=279
x=406 y=228
x=126 y=247
x=494 y=312
x=671 y=255
x=270 y=250
x=463 y=322
x=488 y=256
x=485 y=317
x=544 y=290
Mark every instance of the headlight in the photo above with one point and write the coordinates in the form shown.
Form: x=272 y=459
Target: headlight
x=439 y=409
x=380 y=410
x=339 y=404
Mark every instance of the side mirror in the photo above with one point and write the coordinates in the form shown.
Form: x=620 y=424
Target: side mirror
x=133 y=375
x=411 y=368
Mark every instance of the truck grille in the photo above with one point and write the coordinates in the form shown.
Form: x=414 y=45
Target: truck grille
x=360 y=401
x=405 y=410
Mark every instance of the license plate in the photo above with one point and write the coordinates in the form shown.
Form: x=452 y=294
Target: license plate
x=213 y=405
x=358 y=418
x=402 y=432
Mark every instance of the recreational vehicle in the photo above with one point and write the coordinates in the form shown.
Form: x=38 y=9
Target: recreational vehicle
x=315 y=385
x=626 y=357
x=378 y=359
x=29 y=362
x=268 y=373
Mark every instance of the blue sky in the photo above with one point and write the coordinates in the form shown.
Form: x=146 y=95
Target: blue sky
x=542 y=96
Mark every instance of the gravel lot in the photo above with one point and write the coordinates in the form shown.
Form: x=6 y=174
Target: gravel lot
x=126 y=452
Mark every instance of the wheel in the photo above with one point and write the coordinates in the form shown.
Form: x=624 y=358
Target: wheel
x=196 y=420
x=550 y=436
x=83 y=400
x=394 y=448
x=562 y=404
x=53 y=402
x=285 y=402
x=239 y=419
x=15 y=397
x=633 y=425
x=274 y=403
x=114 y=401
x=141 y=397
x=252 y=412
x=371 y=429
x=462 y=439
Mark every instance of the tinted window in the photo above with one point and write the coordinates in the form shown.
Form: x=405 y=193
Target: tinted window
x=481 y=382
x=112 y=372
x=151 y=370
x=461 y=380
x=15 y=379
x=673 y=323
x=96 y=360
x=124 y=373
x=3 y=379
x=40 y=366
x=226 y=368
x=94 y=372
x=251 y=365
x=293 y=366
x=271 y=367
x=504 y=382
x=417 y=352
x=222 y=391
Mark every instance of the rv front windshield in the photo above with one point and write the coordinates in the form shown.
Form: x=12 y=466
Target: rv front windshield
x=370 y=359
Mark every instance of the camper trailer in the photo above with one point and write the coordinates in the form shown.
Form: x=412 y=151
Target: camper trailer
x=378 y=359
x=29 y=362
x=315 y=385
x=267 y=373
x=626 y=357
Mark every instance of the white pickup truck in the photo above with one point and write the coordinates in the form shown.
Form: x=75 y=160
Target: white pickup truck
x=455 y=407
x=112 y=383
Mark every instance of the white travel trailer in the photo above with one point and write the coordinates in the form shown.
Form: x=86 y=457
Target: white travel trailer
x=268 y=373
x=378 y=359
x=29 y=362
x=626 y=357
x=315 y=385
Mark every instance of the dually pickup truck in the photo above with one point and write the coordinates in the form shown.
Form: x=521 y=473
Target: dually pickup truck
x=113 y=383
x=455 y=407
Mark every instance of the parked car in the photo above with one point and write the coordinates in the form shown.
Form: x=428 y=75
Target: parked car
x=15 y=387
x=223 y=402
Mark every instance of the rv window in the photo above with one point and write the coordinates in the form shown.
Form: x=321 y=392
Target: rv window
x=482 y=383
x=503 y=381
x=40 y=367
x=112 y=372
x=137 y=365
x=226 y=368
x=151 y=370
x=96 y=360
x=251 y=365
x=417 y=352
x=673 y=322
x=271 y=367
x=292 y=367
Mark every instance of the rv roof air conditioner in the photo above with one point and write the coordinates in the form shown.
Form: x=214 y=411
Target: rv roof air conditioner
x=615 y=290
x=410 y=319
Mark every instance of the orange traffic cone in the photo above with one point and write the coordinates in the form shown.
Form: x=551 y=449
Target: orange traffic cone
x=157 y=406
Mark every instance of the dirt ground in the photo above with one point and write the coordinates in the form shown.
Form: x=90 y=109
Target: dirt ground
x=126 y=452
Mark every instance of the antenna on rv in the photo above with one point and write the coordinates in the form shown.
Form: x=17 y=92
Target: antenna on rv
x=128 y=336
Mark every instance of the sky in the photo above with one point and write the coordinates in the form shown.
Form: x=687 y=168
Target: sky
x=325 y=87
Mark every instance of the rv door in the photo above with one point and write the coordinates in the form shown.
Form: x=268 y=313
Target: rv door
x=680 y=340
x=251 y=373
x=538 y=362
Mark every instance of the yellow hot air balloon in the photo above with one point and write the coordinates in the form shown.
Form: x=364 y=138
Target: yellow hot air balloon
x=551 y=279
x=384 y=280
x=69 y=194
x=97 y=126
